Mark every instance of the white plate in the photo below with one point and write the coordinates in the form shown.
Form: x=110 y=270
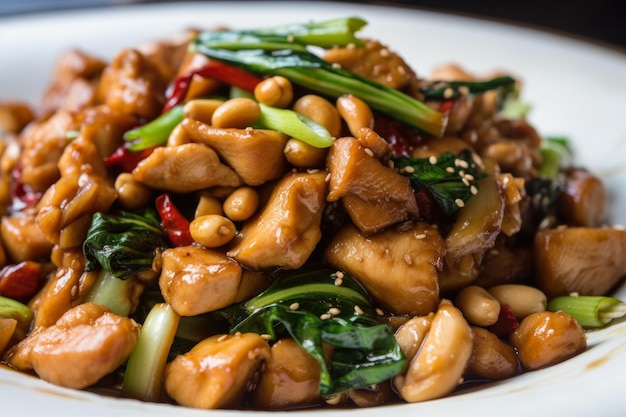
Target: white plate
x=576 y=89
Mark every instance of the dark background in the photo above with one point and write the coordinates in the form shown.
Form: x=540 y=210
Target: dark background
x=600 y=21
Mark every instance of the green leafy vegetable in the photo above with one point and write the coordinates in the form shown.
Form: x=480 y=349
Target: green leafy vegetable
x=590 y=311
x=124 y=243
x=309 y=306
x=451 y=179
x=280 y=53
x=446 y=90
x=114 y=293
x=556 y=154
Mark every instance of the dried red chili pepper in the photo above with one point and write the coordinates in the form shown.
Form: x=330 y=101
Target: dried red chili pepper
x=215 y=70
x=175 y=224
x=126 y=159
x=506 y=323
x=21 y=281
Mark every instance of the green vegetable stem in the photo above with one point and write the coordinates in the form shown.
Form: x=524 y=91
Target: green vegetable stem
x=286 y=52
x=590 y=311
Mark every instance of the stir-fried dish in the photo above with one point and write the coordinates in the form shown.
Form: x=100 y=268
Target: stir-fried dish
x=291 y=217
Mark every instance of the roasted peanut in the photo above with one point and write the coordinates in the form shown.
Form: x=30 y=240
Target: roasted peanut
x=479 y=307
x=275 y=91
x=546 y=338
x=492 y=358
x=355 y=112
x=131 y=194
x=438 y=367
x=302 y=155
x=201 y=110
x=523 y=300
x=241 y=204
x=236 y=113
x=212 y=230
x=320 y=111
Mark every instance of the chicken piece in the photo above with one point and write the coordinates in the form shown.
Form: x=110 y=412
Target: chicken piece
x=184 y=169
x=217 y=372
x=104 y=127
x=64 y=289
x=374 y=196
x=72 y=82
x=286 y=231
x=73 y=199
x=399 y=268
x=196 y=280
x=587 y=261
x=373 y=61
x=584 y=200
x=256 y=155
x=132 y=84
x=167 y=55
x=8 y=328
x=23 y=240
x=44 y=144
x=290 y=380
x=14 y=115
x=84 y=345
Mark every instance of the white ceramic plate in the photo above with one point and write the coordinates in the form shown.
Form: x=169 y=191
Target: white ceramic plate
x=576 y=89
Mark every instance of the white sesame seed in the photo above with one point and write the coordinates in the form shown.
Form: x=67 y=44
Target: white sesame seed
x=74 y=291
x=420 y=236
x=312 y=170
x=432 y=159
x=407 y=259
x=325 y=316
x=448 y=92
x=336 y=65
x=465 y=181
x=473 y=190
x=327 y=179
x=401 y=70
x=222 y=338
x=369 y=152
x=384 y=52
x=380 y=312
x=266 y=336
x=463 y=164
x=459 y=202
x=409 y=169
x=294 y=306
x=339 y=274
x=351 y=45
x=469 y=177
x=464 y=89
x=339 y=282
x=334 y=311
x=358 y=310
x=450 y=170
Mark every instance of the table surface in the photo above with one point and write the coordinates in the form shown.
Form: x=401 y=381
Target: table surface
x=595 y=20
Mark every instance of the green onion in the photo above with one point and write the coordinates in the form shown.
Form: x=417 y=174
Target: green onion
x=144 y=371
x=112 y=292
x=556 y=154
x=156 y=132
x=295 y=125
x=590 y=311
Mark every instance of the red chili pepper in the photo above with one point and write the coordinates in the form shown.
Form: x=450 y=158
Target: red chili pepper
x=127 y=159
x=506 y=323
x=400 y=137
x=22 y=196
x=20 y=281
x=175 y=224
x=215 y=70
x=446 y=106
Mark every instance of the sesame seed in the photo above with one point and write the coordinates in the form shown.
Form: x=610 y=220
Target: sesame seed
x=469 y=177
x=351 y=45
x=464 y=89
x=461 y=163
x=384 y=52
x=339 y=282
x=334 y=311
x=369 y=152
x=336 y=65
x=237 y=334
x=432 y=159
x=459 y=202
x=420 y=236
x=387 y=251
x=461 y=173
x=327 y=179
x=222 y=338
x=294 y=306
x=448 y=93
x=380 y=312
x=409 y=169
x=473 y=190
x=465 y=181
x=325 y=316
x=266 y=336
x=401 y=70
x=358 y=258
x=313 y=170
x=450 y=170
x=74 y=291
x=407 y=259
x=339 y=274
x=358 y=310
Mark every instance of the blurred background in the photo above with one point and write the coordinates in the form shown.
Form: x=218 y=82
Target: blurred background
x=596 y=20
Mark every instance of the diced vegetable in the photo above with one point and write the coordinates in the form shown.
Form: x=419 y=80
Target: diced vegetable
x=154 y=133
x=295 y=125
x=589 y=311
